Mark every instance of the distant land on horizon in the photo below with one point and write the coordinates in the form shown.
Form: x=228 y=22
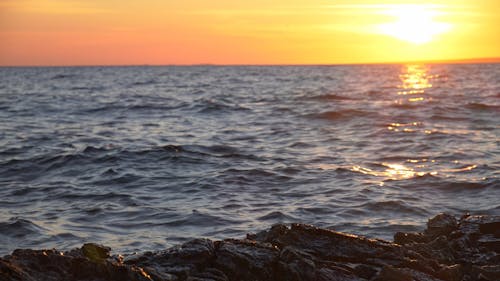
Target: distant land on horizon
x=458 y=61
x=453 y=61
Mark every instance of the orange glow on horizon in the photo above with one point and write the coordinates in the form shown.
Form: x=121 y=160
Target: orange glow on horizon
x=94 y=32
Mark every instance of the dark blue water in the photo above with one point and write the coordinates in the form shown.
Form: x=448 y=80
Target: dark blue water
x=140 y=158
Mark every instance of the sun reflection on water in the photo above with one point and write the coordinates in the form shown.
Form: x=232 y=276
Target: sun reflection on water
x=414 y=168
x=404 y=127
x=415 y=84
x=415 y=79
x=392 y=171
x=409 y=132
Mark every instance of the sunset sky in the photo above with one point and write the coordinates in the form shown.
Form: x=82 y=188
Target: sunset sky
x=158 y=32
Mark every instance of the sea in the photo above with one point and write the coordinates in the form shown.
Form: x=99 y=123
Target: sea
x=142 y=158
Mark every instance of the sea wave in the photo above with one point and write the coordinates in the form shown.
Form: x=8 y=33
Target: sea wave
x=344 y=114
x=329 y=97
x=124 y=155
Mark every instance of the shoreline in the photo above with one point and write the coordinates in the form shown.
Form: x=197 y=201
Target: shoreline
x=452 y=249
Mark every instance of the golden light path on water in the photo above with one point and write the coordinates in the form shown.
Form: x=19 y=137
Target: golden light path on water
x=415 y=82
x=393 y=171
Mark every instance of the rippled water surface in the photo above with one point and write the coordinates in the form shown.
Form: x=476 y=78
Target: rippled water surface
x=140 y=158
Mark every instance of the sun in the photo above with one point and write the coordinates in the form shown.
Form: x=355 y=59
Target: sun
x=414 y=23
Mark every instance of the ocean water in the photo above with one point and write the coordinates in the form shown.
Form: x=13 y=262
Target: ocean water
x=142 y=158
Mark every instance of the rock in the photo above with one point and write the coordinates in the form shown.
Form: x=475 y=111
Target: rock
x=442 y=224
x=335 y=246
x=402 y=238
x=51 y=265
x=95 y=252
x=490 y=242
x=365 y=271
x=211 y=274
x=329 y=274
x=266 y=235
x=389 y=273
x=490 y=272
x=448 y=250
x=186 y=260
x=451 y=273
x=488 y=225
x=296 y=264
x=247 y=260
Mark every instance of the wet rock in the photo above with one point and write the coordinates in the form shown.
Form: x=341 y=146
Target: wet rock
x=186 y=260
x=155 y=275
x=51 y=265
x=296 y=264
x=402 y=238
x=490 y=228
x=448 y=250
x=335 y=246
x=490 y=242
x=420 y=276
x=451 y=273
x=247 y=260
x=490 y=272
x=274 y=231
x=389 y=273
x=329 y=274
x=365 y=271
x=95 y=252
x=442 y=224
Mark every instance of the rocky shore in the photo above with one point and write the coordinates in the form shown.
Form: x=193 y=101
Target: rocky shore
x=449 y=249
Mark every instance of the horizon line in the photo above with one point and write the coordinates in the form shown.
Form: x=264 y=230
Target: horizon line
x=493 y=60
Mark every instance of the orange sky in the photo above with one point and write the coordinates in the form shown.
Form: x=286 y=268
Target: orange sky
x=112 y=32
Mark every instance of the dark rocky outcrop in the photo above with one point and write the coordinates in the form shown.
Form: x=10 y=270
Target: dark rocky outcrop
x=449 y=249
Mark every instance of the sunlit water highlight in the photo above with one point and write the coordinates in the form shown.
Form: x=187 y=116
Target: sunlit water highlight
x=140 y=158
